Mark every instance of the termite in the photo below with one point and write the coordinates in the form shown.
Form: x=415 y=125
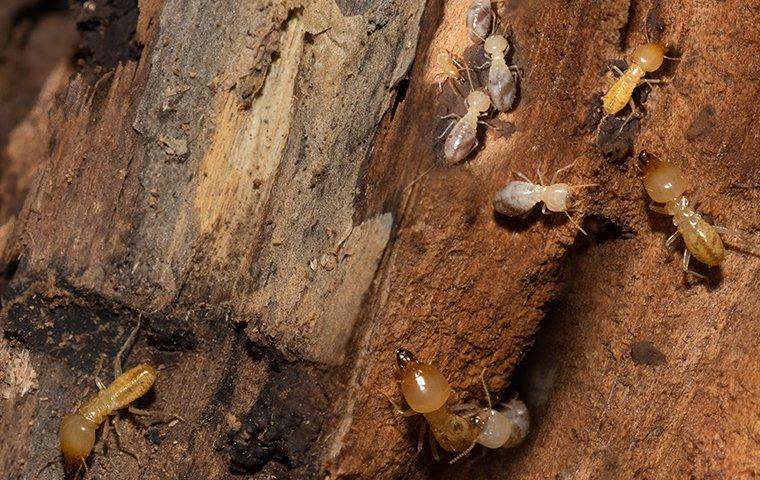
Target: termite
x=427 y=391
x=520 y=196
x=463 y=137
x=77 y=433
x=478 y=20
x=448 y=69
x=645 y=59
x=502 y=83
x=665 y=184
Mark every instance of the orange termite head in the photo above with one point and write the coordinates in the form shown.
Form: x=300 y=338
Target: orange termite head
x=649 y=56
x=663 y=181
x=424 y=387
x=77 y=438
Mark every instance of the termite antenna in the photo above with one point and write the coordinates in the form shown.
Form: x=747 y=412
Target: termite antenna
x=485 y=388
x=463 y=454
x=117 y=361
x=419 y=177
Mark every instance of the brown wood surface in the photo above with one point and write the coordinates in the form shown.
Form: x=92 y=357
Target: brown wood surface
x=246 y=177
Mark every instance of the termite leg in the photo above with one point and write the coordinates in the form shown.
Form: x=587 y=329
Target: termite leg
x=554 y=177
x=616 y=70
x=671 y=239
x=100 y=384
x=658 y=209
x=160 y=417
x=451 y=124
x=520 y=174
x=433 y=447
x=653 y=81
x=483 y=122
x=464 y=406
x=540 y=174
x=421 y=438
x=634 y=113
x=484 y=65
x=399 y=410
x=119 y=442
x=117 y=371
x=685 y=264
x=575 y=223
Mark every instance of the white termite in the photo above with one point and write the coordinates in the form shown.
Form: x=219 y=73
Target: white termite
x=502 y=82
x=478 y=20
x=520 y=196
x=462 y=139
x=505 y=426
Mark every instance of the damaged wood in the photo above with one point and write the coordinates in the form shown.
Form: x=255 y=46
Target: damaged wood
x=248 y=178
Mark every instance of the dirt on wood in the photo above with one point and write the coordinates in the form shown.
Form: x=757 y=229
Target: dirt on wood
x=262 y=184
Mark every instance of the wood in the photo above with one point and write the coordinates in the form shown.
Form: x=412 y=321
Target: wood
x=262 y=183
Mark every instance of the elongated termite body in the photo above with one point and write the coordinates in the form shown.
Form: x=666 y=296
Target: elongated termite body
x=478 y=20
x=427 y=391
x=519 y=197
x=462 y=139
x=645 y=59
x=665 y=183
x=77 y=434
x=502 y=83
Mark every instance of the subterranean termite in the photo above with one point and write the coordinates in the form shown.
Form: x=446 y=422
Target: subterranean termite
x=427 y=391
x=77 y=434
x=463 y=137
x=519 y=197
x=478 y=20
x=665 y=184
x=502 y=82
x=448 y=69
x=645 y=59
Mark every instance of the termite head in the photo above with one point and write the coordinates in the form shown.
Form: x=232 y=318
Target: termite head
x=424 y=387
x=556 y=197
x=649 y=56
x=663 y=181
x=496 y=428
x=495 y=45
x=479 y=100
x=77 y=438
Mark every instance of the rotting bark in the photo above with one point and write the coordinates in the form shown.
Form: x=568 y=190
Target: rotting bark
x=246 y=176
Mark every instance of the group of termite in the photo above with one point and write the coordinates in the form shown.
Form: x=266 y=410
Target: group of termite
x=458 y=428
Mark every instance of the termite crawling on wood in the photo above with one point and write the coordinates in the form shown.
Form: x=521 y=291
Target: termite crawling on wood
x=646 y=58
x=665 y=184
x=427 y=391
x=519 y=197
x=448 y=69
x=77 y=433
x=463 y=136
x=478 y=20
x=502 y=82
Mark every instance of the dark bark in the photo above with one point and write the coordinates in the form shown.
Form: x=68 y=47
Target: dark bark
x=245 y=176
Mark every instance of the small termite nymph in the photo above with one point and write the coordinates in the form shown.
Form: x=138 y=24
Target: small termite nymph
x=478 y=20
x=665 y=184
x=77 y=433
x=427 y=391
x=463 y=137
x=502 y=83
x=645 y=59
x=447 y=69
x=519 y=197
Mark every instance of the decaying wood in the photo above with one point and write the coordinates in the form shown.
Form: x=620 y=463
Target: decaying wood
x=246 y=176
